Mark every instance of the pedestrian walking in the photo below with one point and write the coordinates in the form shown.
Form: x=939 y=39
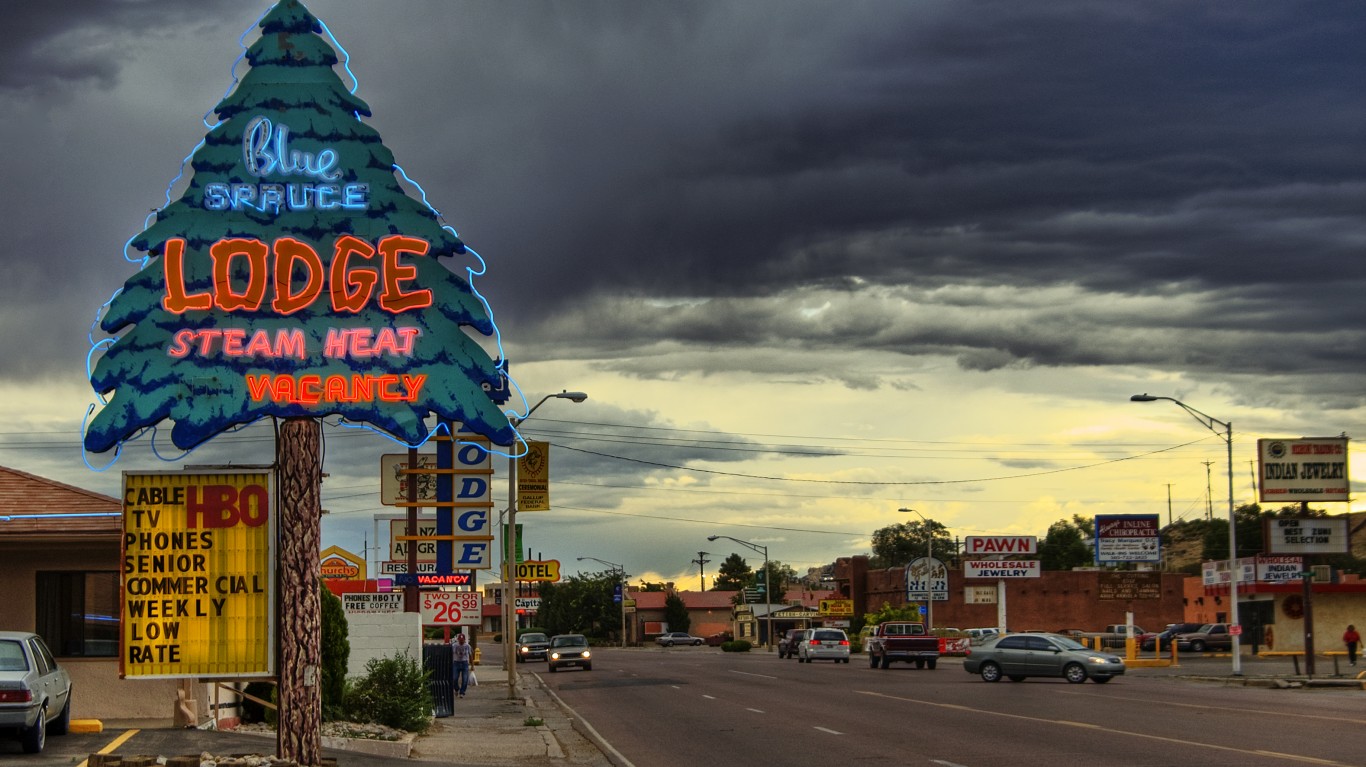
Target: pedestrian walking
x=1353 y=640
x=461 y=653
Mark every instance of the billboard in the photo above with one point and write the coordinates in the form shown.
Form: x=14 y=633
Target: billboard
x=1128 y=538
x=533 y=477
x=198 y=575
x=992 y=545
x=927 y=578
x=995 y=568
x=1306 y=535
x=1292 y=470
x=451 y=608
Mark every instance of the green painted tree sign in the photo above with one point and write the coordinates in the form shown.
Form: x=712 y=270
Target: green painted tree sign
x=295 y=276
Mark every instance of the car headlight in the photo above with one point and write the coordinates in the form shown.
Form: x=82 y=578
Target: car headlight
x=587 y=654
x=526 y=649
x=554 y=656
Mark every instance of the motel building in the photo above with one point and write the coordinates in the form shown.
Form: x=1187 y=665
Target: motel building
x=59 y=566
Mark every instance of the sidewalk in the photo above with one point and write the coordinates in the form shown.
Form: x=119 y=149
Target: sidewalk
x=488 y=728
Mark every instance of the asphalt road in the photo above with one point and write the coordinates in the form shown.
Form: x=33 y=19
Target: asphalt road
x=699 y=706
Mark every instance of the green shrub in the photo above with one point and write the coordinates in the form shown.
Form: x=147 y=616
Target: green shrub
x=393 y=693
x=336 y=654
x=255 y=713
x=736 y=645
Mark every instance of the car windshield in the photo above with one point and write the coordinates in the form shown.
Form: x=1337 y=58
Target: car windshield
x=1068 y=643
x=1205 y=629
x=12 y=657
x=569 y=641
x=529 y=638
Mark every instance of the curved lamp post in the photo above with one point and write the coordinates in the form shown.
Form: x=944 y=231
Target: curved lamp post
x=622 y=580
x=510 y=546
x=768 y=595
x=1209 y=422
x=929 y=562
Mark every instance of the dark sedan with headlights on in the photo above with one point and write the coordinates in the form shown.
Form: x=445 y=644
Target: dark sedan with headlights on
x=1020 y=656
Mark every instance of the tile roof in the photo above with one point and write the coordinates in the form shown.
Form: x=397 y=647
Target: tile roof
x=33 y=506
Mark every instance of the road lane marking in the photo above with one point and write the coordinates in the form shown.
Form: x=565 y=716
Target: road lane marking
x=1110 y=730
x=119 y=741
x=750 y=673
x=708 y=697
x=755 y=710
x=1174 y=704
x=827 y=729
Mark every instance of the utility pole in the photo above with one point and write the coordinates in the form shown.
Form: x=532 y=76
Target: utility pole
x=701 y=563
x=1209 y=493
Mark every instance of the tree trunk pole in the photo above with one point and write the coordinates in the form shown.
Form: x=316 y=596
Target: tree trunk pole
x=299 y=633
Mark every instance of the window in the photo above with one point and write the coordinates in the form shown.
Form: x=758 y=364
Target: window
x=1011 y=643
x=78 y=613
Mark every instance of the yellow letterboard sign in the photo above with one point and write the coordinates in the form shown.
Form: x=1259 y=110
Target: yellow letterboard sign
x=198 y=575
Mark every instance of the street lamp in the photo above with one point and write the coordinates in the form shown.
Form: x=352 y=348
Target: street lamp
x=768 y=595
x=1209 y=422
x=929 y=562
x=621 y=569
x=510 y=545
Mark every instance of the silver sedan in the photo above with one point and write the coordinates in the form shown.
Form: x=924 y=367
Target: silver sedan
x=1019 y=656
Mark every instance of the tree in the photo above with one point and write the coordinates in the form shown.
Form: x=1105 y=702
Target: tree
x=1066 y=544
x=581 y=604
x=897 y=545
x=733 y=574
x=336 y=653
x=1248 y=518
x=676 y=613
x=780 y=578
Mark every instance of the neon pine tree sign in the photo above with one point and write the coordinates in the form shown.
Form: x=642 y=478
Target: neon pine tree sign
x=295 y=276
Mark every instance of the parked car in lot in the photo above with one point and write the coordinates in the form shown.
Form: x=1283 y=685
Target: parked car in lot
x=823 y=644
x=568 y=650
x=1162 y=640
x=532 y=646
x=1211 y=636
x=677 y=637
x=1020 y=656
x=35 y=692
x=719 y=638
x=981 y=635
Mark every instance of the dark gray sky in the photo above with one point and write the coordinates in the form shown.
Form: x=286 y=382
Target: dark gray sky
x=977 y=224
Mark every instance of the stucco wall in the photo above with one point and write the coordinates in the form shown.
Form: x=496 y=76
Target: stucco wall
x=381 y=636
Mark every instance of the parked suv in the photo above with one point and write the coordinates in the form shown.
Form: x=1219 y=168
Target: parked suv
x=823 y=644
x=1211 y=636
x=1163 y=639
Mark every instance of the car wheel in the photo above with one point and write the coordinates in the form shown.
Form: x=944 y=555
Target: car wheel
x=1016 y=677
x=1074 y=673
x=920 y=664
x=62 y=724
x=698 y=643
x=588 y=667
x=872 y=661
x=35 y=737
x=1198 y=646
x=886 y=662
x=1101 y=679
x=553 y=669
x=991 y=672
x=933 y=663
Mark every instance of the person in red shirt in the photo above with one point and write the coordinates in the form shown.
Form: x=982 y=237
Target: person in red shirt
x=1353 y=640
